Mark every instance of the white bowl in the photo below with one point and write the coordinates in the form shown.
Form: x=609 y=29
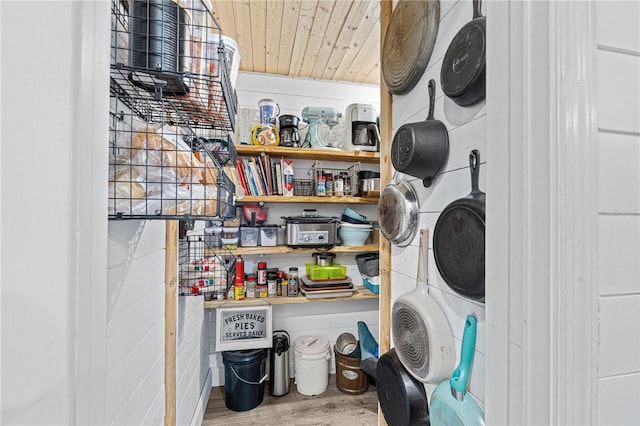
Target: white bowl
x=356 y=225
x=353 y=236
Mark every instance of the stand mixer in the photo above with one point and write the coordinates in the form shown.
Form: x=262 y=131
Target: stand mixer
x=316 y=116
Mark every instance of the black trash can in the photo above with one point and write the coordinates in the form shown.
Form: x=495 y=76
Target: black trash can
x=244 y=376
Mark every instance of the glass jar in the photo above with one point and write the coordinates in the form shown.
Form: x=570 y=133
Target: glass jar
x=250 y=286
x=346 y=183
x=328 y=184
x=338 y=185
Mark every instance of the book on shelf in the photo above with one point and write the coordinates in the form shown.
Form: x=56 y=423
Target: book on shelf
x=241 y=177
x=261 y=175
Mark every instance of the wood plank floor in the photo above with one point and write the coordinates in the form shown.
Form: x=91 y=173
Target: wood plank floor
x=331 y=408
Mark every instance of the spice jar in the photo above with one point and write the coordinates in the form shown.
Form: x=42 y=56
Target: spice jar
x=250 y=286
x=272 y=280
x=346 y=183
x=262 y=273
x=293 y=282
x=338 y=185
x=321 y=189
x=328 y=184
x=279 y=283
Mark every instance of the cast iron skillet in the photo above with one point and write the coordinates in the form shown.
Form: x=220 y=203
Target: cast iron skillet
x=421 y=149
x=458 y=239
x=462 y=75
x=402 y=398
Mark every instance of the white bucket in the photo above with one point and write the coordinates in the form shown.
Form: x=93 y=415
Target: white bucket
x=312 y=355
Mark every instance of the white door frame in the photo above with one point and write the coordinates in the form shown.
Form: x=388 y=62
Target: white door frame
x=541 y=213
x=90 y=176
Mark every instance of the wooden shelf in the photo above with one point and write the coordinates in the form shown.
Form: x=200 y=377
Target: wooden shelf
x=361 y=294
x=287 y=249
x=310 y=153
x=306 y=199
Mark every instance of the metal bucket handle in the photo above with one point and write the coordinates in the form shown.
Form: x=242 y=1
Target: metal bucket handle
x=245 y=381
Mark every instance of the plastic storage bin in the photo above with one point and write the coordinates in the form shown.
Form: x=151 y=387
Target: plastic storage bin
x=333 y=272
x=268 y=235
x=249 y=236
x=312 y=355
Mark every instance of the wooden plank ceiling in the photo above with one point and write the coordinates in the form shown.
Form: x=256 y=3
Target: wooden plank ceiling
x=328 y=40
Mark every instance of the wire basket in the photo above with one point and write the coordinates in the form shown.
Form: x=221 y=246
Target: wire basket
x=157 y=171
x=204 y=270
x=303 y=187
x=333 y=181
x=168 y=49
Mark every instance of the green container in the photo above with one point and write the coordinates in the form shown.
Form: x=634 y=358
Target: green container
x=332 y=272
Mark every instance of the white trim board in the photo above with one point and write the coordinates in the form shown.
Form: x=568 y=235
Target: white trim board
x=541 y=235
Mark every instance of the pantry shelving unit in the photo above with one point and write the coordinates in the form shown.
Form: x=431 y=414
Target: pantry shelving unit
x=361 y=294
x=288 y=250
x=307 y=199
x=310 y=153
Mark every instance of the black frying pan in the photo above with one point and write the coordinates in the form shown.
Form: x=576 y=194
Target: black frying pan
x=462 y=75
x=458 y=239
x=402 y=398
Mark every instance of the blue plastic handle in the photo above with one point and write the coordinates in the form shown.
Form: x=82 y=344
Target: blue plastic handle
x=460 y=375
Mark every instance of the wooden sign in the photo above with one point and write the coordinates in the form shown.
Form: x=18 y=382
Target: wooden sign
x=247 y=327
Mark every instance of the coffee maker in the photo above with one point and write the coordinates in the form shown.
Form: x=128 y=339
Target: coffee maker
x=289 y=135
x=361 y=131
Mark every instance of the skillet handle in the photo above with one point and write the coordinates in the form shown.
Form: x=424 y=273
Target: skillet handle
x=460 y=375
x=474 y=164
x=476 y=9
x=423 y=257
x=432 y=98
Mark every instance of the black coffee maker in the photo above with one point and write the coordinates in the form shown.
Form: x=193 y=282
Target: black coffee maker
x=289 y=135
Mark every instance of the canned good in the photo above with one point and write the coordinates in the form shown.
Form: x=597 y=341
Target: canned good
x=261 y=291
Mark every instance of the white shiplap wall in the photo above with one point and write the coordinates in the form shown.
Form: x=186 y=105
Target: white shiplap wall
x=618 y=106
x=328 y=320
x=467 y=131
x=135 y=323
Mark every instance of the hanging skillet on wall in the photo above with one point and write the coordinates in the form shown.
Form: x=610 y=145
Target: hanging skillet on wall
x=462 y=75
x=421 y=149
x=421 y=333
x=408 y=43
x=458 y=239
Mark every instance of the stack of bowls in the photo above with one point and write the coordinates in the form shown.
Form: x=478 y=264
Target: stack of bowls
x=354 y=228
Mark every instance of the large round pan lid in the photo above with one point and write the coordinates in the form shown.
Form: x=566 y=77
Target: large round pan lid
x=398 y=213
x=408 y=43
